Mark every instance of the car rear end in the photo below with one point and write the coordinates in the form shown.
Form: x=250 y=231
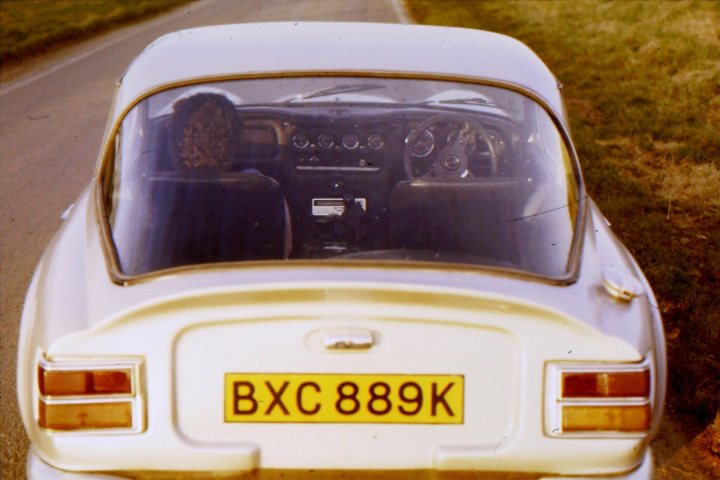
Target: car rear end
x=347 y=376
x=471 y=337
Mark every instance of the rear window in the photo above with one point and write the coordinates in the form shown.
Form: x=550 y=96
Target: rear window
x=338 y=169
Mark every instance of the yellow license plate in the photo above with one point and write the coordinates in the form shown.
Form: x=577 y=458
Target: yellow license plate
x=344 y=398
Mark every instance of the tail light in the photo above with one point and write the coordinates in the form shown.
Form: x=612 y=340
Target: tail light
x=598 y=399
x=85 y=382
x=98 y=396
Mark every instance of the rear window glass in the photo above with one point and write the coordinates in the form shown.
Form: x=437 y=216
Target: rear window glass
x=340 y=169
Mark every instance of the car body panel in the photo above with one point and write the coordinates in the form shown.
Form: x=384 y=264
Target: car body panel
x=336 y=47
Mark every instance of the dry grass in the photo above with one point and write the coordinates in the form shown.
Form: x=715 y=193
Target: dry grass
x=690 y=184
x=677 y=182
x=642 y=85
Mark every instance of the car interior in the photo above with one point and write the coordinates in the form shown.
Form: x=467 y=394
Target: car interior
x=334 y=180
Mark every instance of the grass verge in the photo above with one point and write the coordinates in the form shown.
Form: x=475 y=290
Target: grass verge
x=642 y=86
x=29 y=27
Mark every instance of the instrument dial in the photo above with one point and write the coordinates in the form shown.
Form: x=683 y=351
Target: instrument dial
x=301 y=140
x=375 y=141
x=351 y=141
x=424 y=144
x=326 y=140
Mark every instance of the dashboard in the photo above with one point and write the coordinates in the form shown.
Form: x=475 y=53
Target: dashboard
x=337 y=166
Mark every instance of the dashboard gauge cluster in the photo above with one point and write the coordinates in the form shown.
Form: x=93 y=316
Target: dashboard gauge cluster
x=349 y=141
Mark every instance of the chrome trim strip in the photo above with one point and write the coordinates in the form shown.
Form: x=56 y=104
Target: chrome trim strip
x=340 y=169
x=349 y=341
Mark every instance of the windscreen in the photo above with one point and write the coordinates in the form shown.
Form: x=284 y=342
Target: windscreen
x=341 y=169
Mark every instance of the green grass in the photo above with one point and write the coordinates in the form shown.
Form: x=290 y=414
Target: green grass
x=642 y=86
x=29 y=27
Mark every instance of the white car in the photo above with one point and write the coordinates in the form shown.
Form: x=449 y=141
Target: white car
x=339 y=247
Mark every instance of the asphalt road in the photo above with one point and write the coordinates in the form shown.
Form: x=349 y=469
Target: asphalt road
x=52 y=117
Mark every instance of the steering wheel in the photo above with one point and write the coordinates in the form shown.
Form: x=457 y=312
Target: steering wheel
x=446 y=158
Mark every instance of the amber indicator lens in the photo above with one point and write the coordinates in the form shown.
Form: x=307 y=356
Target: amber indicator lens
x=85 y=416
x=84 y=382
x=605 y=384
x=619 y=418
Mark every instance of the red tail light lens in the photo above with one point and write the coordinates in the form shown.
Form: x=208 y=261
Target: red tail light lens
x=84 y=382
x=605 y=384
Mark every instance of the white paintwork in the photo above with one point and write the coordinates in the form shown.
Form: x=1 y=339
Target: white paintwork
x=287 y=47
x=156 y=320
x=37 y=469
x=74 y=310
